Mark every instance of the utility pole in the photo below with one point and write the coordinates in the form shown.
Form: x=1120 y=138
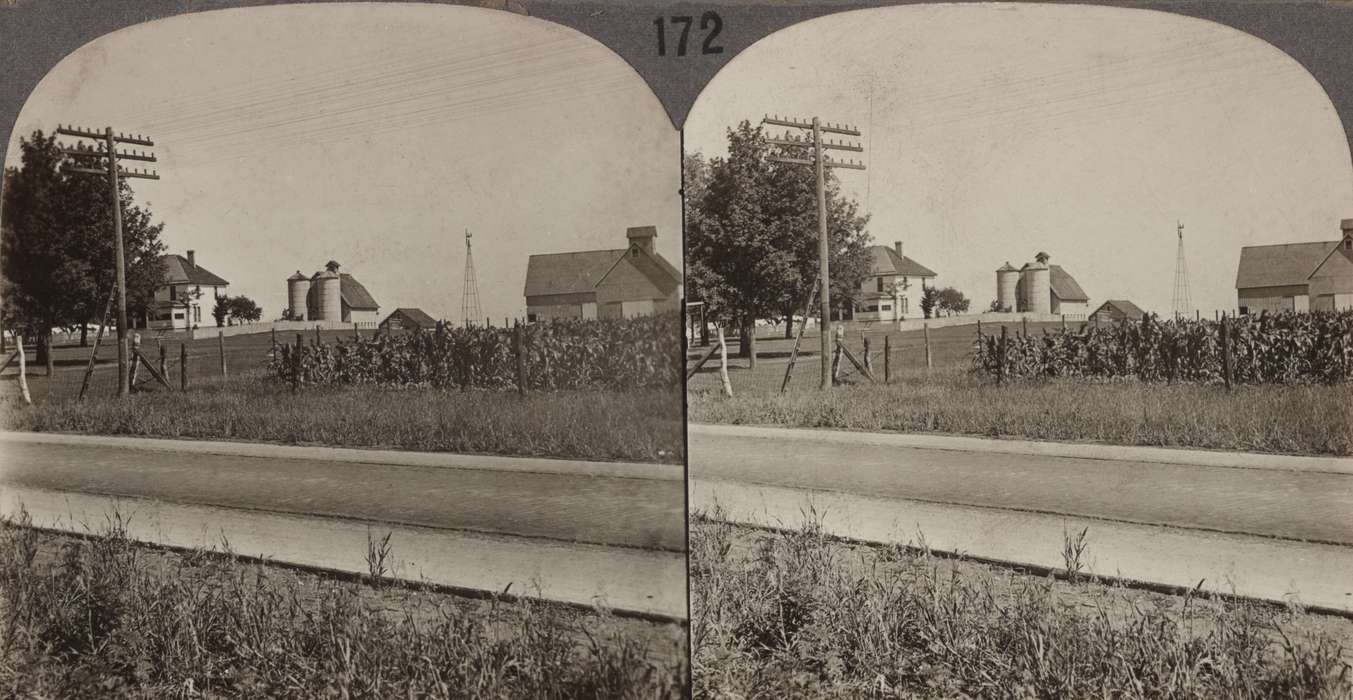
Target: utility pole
x=107 y=165
x=820 y=163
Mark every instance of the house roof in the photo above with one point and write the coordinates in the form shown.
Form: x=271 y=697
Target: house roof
x=1280 y=265
x=355 y=294
x=417 y=316
x=886 y=261
x=178 y=271
x=574 y=273
x=1064 y=286
x=1123 y=306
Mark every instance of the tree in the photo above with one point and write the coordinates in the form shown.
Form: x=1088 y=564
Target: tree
x=57 y=249
x=752 y=232
x=1042 y=257
x=244 y=309
x=952 y=301
x=929 y=298
x=220 y=310
x=998 y=307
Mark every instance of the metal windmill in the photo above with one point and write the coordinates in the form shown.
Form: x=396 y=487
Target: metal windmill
x=1182 y=305
x=469 y=295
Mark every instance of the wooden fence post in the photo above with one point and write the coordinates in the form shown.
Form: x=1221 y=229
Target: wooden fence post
x=887 y=358
x=519 y=348
x=1226 y=353
x=220 y=344
x=1063 y=324
x=868 y=366
x=296 y=363
x=164 y=364
x=183 y=366
x=925 y=327
x=723 y=364
x=356 y=334
x=1000 y=358
x=836 y=355
x=318 y=339
x=1025 y=322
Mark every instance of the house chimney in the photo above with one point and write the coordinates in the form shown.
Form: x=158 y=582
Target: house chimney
x=642 y=236
x=897 y=246
x=192 y=261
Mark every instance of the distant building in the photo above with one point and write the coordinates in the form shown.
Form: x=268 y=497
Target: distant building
x=1297 y=276
x=1039 y=287
x=1117 y=310
x=885 y=295
x=613 y=283
x=408 y=320
x=330 y=295
x=185 y=289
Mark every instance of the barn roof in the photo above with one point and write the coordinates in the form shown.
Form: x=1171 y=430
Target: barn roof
x=1280 y=265
x=1123 y=306
x=355 y=294
x=886 y=261
x=573 y=273
x=178 y=271
x=416 y=315
x=1064 y=286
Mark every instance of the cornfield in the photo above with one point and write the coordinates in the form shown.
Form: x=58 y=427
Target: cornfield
x=1284 y=348
x=561 y=354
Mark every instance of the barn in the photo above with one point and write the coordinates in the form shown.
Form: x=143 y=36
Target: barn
x=1117 y=310
x=1297 y=276
x=613 y=283
x=408 y=319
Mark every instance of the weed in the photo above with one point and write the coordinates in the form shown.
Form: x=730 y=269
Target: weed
x=377 y=552
x=1073 y=550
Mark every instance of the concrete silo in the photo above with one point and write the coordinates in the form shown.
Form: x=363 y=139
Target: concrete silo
x=1036 y=279
x=1007 y=282
x=329 y=296
x=298 y=286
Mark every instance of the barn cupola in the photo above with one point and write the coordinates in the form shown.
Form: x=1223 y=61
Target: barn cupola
x=1347 y=226
x=642 y=237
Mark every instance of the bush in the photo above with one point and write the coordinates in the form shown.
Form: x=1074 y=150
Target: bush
x=1281 y=349
x=630 y=353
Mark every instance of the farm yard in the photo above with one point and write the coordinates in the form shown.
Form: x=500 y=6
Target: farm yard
x=949 y=397
x=571 y=412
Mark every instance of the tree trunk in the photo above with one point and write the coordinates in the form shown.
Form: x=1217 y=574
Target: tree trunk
x=789 y=326
x=40 y=348
x=47 y=342
x=84 y=335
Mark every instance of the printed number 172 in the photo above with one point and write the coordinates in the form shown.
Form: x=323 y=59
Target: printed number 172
x=710 y=23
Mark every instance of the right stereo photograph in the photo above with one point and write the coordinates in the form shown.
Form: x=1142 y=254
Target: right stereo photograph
x=1019 y=341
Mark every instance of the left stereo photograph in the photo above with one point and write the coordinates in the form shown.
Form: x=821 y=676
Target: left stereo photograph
x=343 y=356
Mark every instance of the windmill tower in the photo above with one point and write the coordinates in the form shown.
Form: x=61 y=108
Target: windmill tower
x=469 y=295
x=1182 y=305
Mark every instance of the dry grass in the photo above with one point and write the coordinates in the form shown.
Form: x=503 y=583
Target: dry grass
x=1310 y=419
x=641 y=426
x=102 y=617
x=798 y=614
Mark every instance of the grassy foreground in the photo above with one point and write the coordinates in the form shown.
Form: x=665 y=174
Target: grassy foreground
x=799 y=614
x=1300 y=419
x=643 y=426
x=105 y=618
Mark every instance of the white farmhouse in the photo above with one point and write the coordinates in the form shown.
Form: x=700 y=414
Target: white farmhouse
x=184 y=291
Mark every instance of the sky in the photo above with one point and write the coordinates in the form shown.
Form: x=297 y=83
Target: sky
x=375 y=135
x=993 y=132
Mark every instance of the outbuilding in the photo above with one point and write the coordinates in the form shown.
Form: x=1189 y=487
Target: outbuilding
x=1314 y=276
x=613 y=283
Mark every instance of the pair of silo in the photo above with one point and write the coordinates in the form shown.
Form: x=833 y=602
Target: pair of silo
x=327 y=287
x=1025 y=289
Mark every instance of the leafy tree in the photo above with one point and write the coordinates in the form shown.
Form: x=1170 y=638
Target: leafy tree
x=220 y=310
x=997 y=307
x=57 y=249
x=930 y=297
x=952 y=301
x=752 y=233
x=244 y=309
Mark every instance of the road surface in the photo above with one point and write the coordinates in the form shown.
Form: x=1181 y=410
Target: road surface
x=295 y=504
x=1269 y=532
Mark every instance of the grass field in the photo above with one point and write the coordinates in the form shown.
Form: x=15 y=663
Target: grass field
x=1299 y=419
x=799 y=614
x=102 y=617
x=641 y=425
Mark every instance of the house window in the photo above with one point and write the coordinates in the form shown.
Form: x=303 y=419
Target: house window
x=1348 y=244
x=880 y=284
x=178 y=316
x=904 y=305
x=197 y=314
x=887 y=307
x=173 y=292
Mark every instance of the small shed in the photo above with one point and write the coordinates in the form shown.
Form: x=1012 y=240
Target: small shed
x=408 y=319
x=1117 y=310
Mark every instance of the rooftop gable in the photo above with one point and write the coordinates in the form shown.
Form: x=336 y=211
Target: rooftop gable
x=1280 y=265
x=1064 y=286
x=886 y=261
x=178 y=271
